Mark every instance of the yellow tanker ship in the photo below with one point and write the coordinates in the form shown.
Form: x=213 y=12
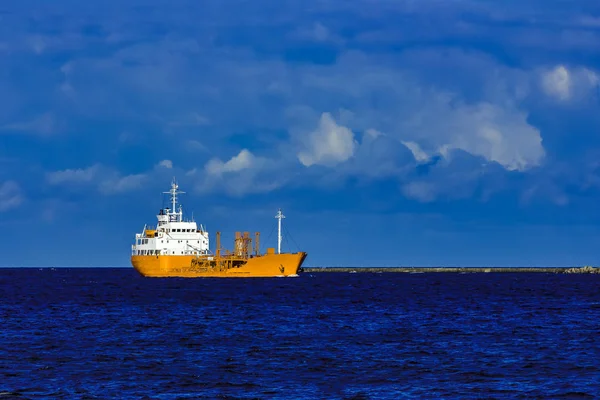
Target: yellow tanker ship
x=178 y=248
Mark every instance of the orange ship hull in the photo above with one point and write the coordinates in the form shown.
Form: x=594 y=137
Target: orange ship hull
x=188 y=266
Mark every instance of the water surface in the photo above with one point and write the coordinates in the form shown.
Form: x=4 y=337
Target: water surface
x=109 y=333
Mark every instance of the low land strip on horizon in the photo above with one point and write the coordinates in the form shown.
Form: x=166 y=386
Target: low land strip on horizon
x=557 y=270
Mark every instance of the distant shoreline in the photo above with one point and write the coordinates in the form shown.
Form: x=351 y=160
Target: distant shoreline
x=414 y=270
x=556 y=270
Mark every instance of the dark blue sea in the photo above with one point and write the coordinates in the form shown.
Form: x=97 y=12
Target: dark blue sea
x=111 y=334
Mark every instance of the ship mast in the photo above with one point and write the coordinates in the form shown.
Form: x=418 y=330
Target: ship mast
x=174 y=192
x=279 y=216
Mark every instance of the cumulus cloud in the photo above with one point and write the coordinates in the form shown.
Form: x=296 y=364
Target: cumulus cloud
x=11 y=195
x=433 y=119
x=328 y=145
x=244 y=160
x=497 y=134
x=242 y=174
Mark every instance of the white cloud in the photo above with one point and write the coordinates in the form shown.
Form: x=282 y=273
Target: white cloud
x=557 y=83
x=416 y=150
x=166 y=164
x=444 y=122
x=73 y=176
x=565 y=84
x=412 y=112
x=244 y=160
x=497 y=134
x=122 y=184
x=106 y=180
x=242 y=174
x=328 y=145
x=10 y=195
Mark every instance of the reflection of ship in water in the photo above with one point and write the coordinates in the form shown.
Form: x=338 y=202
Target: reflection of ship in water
x=178 y=248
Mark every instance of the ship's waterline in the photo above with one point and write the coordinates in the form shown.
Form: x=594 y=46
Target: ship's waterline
x=178 y=248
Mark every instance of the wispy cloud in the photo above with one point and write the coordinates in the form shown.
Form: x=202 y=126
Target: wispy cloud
x=106 y=180
x=11 y=195
x=43 y=125
x=73 y=176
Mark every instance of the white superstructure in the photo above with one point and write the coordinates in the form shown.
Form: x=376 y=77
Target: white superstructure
x=172 y=236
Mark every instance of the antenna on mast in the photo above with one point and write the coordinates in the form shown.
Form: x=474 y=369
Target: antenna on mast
x=174 y=192
x=279 y=216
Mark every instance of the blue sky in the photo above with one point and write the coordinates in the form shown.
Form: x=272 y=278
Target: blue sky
x=390 y=132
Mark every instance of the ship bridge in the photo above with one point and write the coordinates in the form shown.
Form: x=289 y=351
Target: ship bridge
x=172 y=234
